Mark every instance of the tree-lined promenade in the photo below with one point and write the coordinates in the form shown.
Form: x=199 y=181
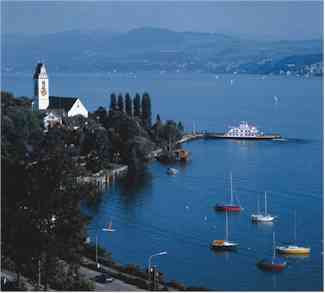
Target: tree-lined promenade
x=43 y=229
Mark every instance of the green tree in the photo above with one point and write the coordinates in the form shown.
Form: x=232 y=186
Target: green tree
x=41 y=218
x=180 y=127
x=137 y=105
x=146 y=110
x=113 y=105
x=128 y=104
x=100 y=115
x=120 y=103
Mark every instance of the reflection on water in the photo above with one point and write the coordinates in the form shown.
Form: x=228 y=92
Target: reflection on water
x=135 y=183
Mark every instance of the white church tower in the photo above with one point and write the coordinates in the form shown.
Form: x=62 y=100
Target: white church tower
x=41 y=87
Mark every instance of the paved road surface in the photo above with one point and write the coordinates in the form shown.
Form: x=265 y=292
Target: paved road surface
x=116 y=285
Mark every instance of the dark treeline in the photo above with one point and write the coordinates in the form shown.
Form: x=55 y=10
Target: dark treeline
x=136 y=107
x=42 y=227
x=131 y=119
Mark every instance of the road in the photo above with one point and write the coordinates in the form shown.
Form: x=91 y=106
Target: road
x=116 y=285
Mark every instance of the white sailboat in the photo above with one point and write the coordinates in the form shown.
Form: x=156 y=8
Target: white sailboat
x=109 y=227
x=293 y=249
x=260 y=217
x=224 y=244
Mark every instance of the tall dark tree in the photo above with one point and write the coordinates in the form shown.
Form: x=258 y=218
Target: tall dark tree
x=180 y=126
x=146 y=110
x=113 y=106
x=128 y=104
x=137 y=105
x=158 y=120
x=120 y=103
x=100 y=114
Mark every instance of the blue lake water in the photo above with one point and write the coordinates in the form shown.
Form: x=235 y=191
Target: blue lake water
x=175 y=214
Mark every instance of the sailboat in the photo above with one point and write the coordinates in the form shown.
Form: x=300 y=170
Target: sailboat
x=109 y=227
x=224 y=244
x=260 y=217
x=293 y=248
x=230 y=207
x=276 y=264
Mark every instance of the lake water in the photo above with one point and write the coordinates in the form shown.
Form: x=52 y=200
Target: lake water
x=175 y=214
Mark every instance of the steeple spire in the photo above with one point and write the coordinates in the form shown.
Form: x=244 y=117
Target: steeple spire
x=41 y=87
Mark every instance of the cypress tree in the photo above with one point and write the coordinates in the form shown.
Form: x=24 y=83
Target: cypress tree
x=180 y=126
x=146 y=109
x=113 y=102
x=120 y=103
x=158 y=120
x=136 y=106
x=128 y=104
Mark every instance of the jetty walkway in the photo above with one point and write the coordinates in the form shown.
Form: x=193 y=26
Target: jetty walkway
x=104 y=177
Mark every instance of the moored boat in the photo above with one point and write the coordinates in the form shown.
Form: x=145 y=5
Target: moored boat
x=109 y=227
x=293 y=249
x=172 y=171
x=229 y=207
x=275 y=264
x=272 y=264
x=224 y=244
x=266 y=218
x=246 y=131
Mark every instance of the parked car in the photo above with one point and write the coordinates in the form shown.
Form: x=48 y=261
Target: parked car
x=104 y=278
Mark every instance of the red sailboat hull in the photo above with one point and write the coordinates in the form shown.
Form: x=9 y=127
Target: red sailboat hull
x=270 y=266
x=228 y=208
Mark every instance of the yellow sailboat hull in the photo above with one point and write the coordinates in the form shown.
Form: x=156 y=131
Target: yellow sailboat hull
x=293 y=250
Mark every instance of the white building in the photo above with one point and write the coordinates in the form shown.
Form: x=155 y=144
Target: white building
x=66 y=106
x=51 y=119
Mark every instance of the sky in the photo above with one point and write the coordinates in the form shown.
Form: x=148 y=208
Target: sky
x=252 y=19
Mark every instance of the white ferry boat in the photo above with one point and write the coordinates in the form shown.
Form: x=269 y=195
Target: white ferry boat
x=243 y=130
x=246 y=131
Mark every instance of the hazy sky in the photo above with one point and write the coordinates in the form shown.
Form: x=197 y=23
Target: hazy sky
x=274 y=19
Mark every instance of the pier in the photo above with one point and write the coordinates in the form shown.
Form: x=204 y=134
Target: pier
x=104 y=177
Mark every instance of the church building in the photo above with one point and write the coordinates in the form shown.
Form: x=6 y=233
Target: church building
x=54 y=106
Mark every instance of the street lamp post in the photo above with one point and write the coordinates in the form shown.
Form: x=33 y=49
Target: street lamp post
x=97 y=263
x=149 y=262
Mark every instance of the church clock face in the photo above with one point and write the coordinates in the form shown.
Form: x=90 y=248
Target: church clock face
x=43 y=89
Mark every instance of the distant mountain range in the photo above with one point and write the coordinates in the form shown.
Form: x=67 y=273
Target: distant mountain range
x=158 y=49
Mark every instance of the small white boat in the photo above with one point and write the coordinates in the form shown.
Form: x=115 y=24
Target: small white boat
x=109 y=228
x=293 y=249
x=172 y=171
x=263 y=218
x=224 y=244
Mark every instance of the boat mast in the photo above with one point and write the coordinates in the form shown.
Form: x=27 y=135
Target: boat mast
x=265 y=204
x=231 y=196
x=194 y=128
x=295 y=228
x=273 y=245
x=258 y=204
x=226 y=226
